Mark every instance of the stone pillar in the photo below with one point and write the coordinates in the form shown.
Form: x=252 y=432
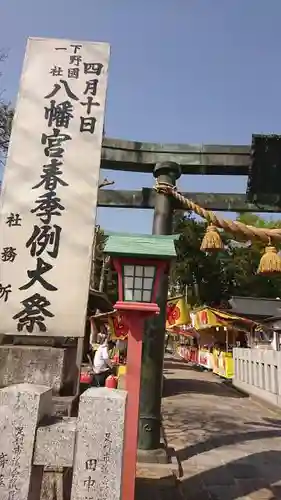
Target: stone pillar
x=98 y=457
x=21 y=408
x=54 y=449
x=154 y=334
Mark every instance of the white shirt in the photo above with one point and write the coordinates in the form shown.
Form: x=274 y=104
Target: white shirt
x=101 y=359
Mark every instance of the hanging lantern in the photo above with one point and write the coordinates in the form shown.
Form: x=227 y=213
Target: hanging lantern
x=270 y=262
x=212 y=240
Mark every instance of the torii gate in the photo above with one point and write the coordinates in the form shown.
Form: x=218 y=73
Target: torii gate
x=171 y=161
x=202 y=160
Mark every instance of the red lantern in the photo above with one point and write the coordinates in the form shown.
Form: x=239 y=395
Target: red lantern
x=120 y=328
x=203 y=318
x=173 y=313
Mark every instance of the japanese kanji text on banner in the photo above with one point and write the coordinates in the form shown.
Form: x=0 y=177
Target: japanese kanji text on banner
x=177 y=312
x=50 y=187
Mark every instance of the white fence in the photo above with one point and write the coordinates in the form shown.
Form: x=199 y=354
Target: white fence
x=258 y=372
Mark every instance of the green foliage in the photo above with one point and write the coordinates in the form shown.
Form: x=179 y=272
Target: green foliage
x=110 y=281
x=257 y=221
x=213 y=278
x=6 y=118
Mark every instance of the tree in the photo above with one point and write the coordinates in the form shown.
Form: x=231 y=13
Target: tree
x=250 y=282
x=102 y=271
x=6 y=117
x=213 y=278
x=257 y=221
x=201 y=274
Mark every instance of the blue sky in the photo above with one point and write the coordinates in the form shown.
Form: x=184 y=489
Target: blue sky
x=181 y=71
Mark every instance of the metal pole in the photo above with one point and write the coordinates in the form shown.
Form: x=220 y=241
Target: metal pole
x=154 y=331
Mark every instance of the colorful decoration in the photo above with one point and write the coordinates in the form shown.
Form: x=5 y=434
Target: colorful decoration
x=117 y=327
x=173 y=314
x=177 y=312
x=270 y=262
x=208 y=317
x=212 y=240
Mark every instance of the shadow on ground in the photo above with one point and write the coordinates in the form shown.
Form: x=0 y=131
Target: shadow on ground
x=254 y=476
x=165 y=488
x=205 y=423
x=173 y=386
x=216 y=442
x=272 y=423
x=208 y=431
x=257 y=476
x=176 y=365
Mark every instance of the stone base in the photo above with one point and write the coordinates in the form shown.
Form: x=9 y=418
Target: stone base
x=158 y=456
x=56 y=484
x=40 y=365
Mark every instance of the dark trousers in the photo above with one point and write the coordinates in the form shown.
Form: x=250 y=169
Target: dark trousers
x=100 y=378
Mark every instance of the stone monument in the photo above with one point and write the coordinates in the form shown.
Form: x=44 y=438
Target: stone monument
x=21 y=409
x=98 y=459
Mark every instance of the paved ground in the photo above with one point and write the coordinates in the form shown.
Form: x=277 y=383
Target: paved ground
x=228 y=447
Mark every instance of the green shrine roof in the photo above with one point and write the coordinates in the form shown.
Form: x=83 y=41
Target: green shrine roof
x=145 y=245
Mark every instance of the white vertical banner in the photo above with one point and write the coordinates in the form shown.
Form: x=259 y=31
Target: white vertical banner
x=50 y=188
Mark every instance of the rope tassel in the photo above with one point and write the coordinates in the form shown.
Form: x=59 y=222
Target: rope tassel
x=230 y=226
x=212 y=240
x=270 y=262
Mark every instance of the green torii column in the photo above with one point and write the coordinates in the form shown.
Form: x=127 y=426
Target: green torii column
x=154 y=334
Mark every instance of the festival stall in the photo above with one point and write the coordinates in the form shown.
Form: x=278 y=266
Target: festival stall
x=203 y=337
x=186 y=340
x=178 y=327
x=118 y=331
x=177 y=318
x=219 y=332
x=100 y=325
x=205 y=358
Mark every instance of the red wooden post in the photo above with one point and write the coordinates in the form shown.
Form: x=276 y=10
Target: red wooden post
x=135 y=321
x=140 y=260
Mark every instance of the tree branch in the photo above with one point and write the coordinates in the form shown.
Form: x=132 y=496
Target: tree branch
x=105 y=183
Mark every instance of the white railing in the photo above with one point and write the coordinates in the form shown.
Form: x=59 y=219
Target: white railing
x=258 y=373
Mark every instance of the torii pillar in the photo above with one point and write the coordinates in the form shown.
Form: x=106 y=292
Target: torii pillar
x=149 y=438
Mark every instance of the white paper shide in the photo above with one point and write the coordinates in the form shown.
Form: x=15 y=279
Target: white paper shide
x=50 y=187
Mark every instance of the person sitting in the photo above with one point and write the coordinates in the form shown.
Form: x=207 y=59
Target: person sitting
x=102 y=363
